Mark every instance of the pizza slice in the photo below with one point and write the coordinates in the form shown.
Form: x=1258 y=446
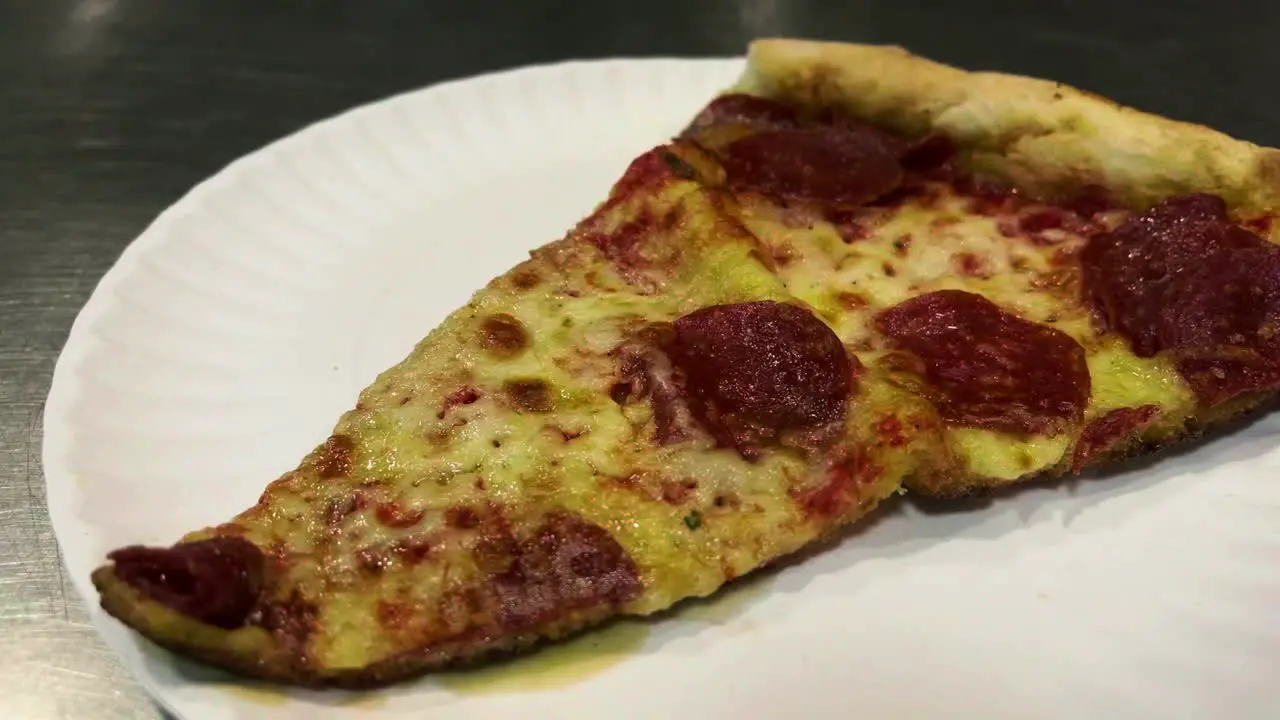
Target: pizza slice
x=855 y=273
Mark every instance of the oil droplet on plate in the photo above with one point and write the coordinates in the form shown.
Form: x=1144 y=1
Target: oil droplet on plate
x=553 y=666
x=728 y=603
x=363 y=701
x=256 y=694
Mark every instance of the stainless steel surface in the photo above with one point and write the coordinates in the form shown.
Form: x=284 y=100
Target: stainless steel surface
x=110 y=109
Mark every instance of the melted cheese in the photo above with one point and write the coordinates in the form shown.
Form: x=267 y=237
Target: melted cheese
x=936 y=242
x=585 y=453
x=458 y=428
x=1002 y=457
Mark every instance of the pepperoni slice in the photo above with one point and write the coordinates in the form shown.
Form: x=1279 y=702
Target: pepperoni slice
x=986 y=367
x=833 y=166
x=216 y=581
x=646 y=173
x=756 y=370
x=1102 y=433
x=740 y=108
x=1219 y=375
x=1182 y=277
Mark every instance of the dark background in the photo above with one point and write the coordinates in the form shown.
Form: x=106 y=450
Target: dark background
x=111 y=109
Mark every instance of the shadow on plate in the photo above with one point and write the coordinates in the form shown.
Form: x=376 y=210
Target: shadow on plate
x=909 y=525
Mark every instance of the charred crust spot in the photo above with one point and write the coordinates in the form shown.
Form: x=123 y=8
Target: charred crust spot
x=851 y=300
x=525 y=278
x=461 y=517
x=334 y=458
x=340 y=508
x=438 y=436
x=621 y=392
x=929 y=154
x=372 y=561
x=503 y=335
x=971 y=265
x=678 y=166
x=567 y=565
x=677 y=492
x=529 y=395
x=216 y=581
x=848 y=224
x=461 y=396
x=393 y=515
x=391 y=615
x=782 y=255
x=412 y=550
x=464 y=615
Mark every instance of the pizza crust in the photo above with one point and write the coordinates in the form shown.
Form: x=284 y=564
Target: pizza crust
x=1045 y=138
x=252 y=652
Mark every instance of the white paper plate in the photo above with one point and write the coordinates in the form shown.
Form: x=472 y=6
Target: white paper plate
x=229 y=337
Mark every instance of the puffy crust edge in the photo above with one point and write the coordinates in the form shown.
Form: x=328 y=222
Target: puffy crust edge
x=1044 y=137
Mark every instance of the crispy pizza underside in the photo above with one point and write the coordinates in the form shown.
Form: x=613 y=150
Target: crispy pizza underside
x=534 y=467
